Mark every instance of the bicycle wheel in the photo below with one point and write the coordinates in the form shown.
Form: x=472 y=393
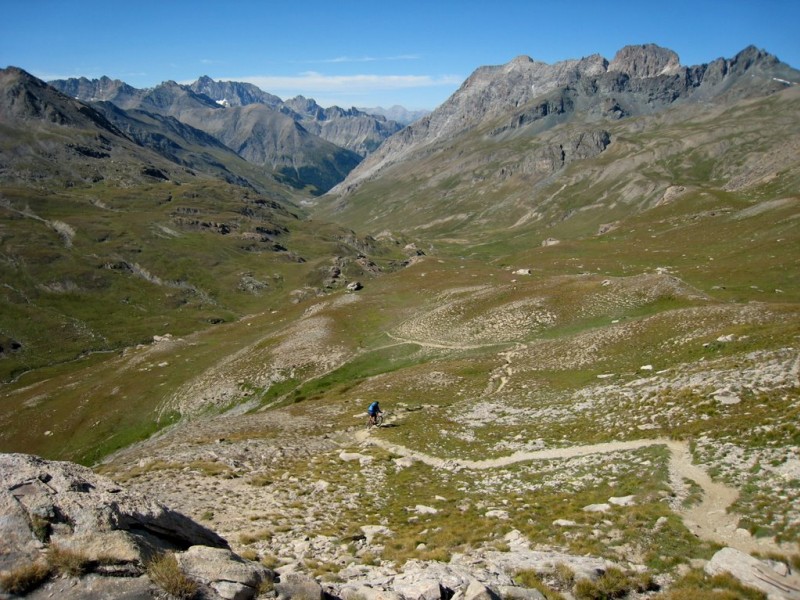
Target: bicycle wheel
x=378 y=419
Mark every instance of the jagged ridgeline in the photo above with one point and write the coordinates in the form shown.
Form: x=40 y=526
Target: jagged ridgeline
x=573 y=288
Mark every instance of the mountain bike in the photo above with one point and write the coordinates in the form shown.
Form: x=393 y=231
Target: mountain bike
x=375 y=421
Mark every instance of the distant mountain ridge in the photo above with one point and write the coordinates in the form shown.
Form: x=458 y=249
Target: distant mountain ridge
x=100 y=141
x=397 y=113
x=352 y=129
x=264 y=134
x=639 y=80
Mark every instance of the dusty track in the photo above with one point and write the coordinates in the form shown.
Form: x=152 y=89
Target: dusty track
x=709 y=520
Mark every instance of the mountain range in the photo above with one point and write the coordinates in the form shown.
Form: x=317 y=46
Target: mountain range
x=299 y=141
x=574 y=289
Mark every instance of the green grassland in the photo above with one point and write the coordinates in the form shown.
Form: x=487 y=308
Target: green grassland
x=668 y=309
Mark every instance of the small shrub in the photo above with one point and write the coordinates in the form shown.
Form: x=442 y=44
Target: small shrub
x=270 y=561
x=697 y=584
x=612 y=584
x=249 y=554
x=368 y=558
x=165 y=572
x=265 y=586
x=40 y=528
x=67 y=561
x=251 y=538
x=564 y=575
x=531 y=580
x=24 y=579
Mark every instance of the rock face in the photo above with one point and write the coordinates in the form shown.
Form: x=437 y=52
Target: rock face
x=639 y=80
x=647 y=60
x=264 y=134
x=48 y=504
x=777 y=584
x=60 y=502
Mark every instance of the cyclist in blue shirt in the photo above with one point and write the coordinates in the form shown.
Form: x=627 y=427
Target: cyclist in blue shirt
x=374 y=410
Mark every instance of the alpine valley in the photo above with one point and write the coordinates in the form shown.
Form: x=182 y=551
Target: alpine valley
x=574 y=288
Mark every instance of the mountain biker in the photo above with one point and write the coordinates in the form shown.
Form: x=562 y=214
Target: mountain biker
x=374 y=410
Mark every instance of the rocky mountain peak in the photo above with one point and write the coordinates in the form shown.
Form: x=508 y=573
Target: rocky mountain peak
x=640 y=79
x=752 y=55
x=593 y=65
x=645 y=60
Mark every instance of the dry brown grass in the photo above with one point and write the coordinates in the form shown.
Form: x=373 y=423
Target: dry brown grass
x=165 y=572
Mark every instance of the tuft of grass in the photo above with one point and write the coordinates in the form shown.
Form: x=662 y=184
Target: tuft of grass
x=24 y=579
x=564 y=575
x=270 y=561
x=614 y=583
x=165 y=572
x=530 y=579
x=696 y=584
x=251 y=538
x=249 y=554
x=67 y=561
x=40 y=528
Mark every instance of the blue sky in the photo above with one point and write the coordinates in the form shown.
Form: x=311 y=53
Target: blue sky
x=350 y=53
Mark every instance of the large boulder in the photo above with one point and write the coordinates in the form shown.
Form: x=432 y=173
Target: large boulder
x=298 y=586
x=230 y=576
x=776 y=584
x=44 y=502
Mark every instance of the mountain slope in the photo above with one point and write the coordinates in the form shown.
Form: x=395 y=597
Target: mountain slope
x=234 y=93
x=640 y=80
x=592 y=350
x=118 y=223
x=259 y=133
x=351 y=129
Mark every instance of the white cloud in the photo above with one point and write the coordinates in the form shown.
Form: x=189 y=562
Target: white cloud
x=352 y=59
x=313 y=82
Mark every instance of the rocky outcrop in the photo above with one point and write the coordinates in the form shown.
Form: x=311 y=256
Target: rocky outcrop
x=770 y=577
x=349 y=128
x=47 y=506
x=48 y=502
x=526 y=93
x=262 y=133
x=646 y=60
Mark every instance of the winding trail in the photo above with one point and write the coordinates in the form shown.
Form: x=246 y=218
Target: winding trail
x=426 y=344
x=709 y=520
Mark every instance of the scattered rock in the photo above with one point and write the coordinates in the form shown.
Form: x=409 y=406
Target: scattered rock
x=513 y=592
x=229 y=575
x=477 y=591
x=497 y=514
x=622 y=500
x=564 y=523
x=421 y=509
x=597 y=507
x=370 y=531
x=297 y=585
x=756 y=573
x=44 y=501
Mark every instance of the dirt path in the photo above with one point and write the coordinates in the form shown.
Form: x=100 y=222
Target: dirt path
x=402 y=340
x=709 y=520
